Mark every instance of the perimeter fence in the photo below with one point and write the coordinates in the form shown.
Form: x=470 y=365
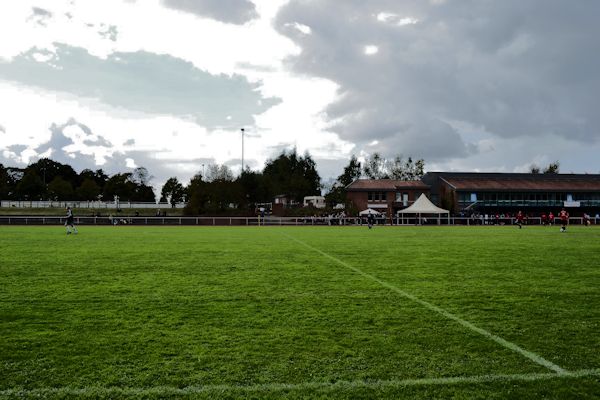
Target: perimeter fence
x=271 y=221
x=91 y=205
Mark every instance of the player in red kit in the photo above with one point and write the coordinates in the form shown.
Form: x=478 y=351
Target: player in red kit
x=551 y=218
x=520 y=219
x=564 y=219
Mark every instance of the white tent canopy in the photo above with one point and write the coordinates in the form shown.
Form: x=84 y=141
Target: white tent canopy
x=369 y=211
x=424 y=206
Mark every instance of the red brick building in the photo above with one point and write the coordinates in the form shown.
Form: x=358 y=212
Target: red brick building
x=384 y=195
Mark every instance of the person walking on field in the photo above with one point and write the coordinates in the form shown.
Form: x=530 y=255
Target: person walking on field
x=564 y=220
x=520 y=219
x=370 y=220
x=551 y=219
x=586 y=219
x=70 y=222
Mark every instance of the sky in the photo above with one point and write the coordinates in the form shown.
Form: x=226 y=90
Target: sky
x=467 y=85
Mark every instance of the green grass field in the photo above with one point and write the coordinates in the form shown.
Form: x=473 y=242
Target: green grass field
x=275 y=312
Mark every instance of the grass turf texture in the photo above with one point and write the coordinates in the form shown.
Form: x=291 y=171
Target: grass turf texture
x=260 y=312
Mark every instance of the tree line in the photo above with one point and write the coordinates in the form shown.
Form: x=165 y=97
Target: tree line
x=211 y=191
x=46 y=179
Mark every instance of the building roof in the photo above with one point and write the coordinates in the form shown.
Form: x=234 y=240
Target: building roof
x=521 y=182
x=385 y=185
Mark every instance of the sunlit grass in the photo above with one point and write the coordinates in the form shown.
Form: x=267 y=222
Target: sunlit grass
x=224 y=309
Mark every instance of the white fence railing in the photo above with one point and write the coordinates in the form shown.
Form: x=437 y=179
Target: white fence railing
x=84 y=204
x=267 y=221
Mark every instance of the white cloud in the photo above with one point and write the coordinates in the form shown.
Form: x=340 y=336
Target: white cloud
x=508 y=72
x=371 y=50
x=305 y=29
x=231 y=11
x=516 y=70
x=130 y=163
x=396 y=19
x=255 y=50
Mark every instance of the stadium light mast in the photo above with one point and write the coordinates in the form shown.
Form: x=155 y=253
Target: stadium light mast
x=243 y=130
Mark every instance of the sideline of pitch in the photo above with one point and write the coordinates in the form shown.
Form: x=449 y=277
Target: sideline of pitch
x=503 y=342
x=278 y=387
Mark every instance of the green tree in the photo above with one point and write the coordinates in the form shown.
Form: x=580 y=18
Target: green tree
x=197 y=196
x=352 y=172
x=293 y=175
x=98 y=176
x=6 y=183
x=408 y=170
x=60 y=189
x=144 y=193
x=221 y=194
x=89 y=190
x=120 y=185
x=31 y=186
x=172 y=191
x=252 y=188
x=48 y=169
x=140 y=176
x=552 y=168
x=217 y=172
x=376 y=167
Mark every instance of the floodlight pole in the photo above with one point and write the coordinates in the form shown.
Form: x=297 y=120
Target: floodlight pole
x=243 y=130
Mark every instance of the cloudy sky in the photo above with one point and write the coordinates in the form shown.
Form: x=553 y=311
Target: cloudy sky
x=468 y=85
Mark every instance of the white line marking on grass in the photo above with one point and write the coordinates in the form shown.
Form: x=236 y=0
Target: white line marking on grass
x=278 y=387
x=509 y=345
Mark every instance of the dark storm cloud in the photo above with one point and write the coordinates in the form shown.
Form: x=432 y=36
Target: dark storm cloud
x=514 y=68
x=229 y=11
x=141 y=81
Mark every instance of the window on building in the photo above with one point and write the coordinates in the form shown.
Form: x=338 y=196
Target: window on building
x=376 y=196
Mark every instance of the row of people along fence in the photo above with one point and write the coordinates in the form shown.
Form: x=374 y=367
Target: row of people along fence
x=275 y=221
